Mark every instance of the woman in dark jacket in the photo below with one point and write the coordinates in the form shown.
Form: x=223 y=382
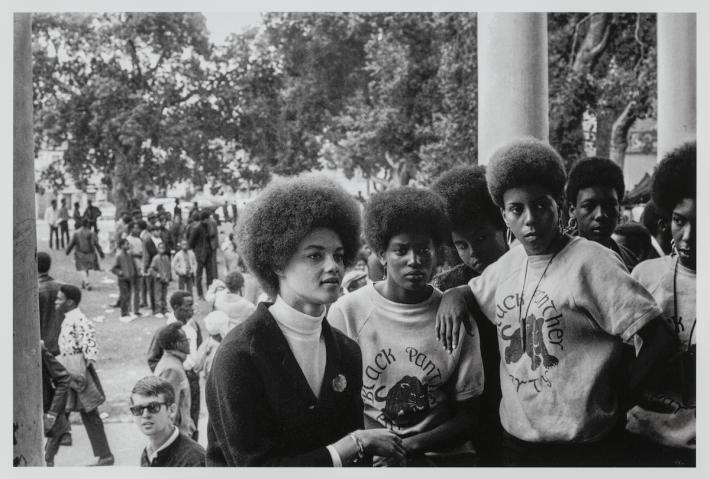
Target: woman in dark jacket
x=284 y=389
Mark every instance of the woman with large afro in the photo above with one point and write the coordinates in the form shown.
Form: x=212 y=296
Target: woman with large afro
x=566 y=312
x=479 y=236
x=663 y=424
x=410 y=384
x=284 y=389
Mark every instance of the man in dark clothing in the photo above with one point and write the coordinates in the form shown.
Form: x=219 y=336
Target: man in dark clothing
x=225 y=211
x=55 y=385
x=50 y=321
x=125 y=269
x=92 y=214
x=213 y=235
x=234 y=213
x=154 y=408
x=199 y=242
x=149 y=252
x=176 y=232
x=177 y=211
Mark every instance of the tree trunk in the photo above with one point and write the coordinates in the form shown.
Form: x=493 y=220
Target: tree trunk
x=566 y=118
x=123 y=190
x=620 y=134
x=602 y=141
x=27 y=368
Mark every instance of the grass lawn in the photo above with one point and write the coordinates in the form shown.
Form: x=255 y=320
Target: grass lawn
x=122 y=347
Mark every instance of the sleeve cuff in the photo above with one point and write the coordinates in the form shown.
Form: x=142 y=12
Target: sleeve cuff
x=334 y=456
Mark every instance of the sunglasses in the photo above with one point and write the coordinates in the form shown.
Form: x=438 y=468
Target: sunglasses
x=152 y=408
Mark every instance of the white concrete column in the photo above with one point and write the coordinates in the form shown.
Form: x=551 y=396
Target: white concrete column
x=676 y=80
x=26 y=360
x=512 y=79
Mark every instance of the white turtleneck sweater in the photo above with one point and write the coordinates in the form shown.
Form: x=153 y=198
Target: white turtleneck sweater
x=303 y=335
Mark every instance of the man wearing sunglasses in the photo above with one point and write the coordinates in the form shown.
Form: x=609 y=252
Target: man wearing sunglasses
x=154 y=409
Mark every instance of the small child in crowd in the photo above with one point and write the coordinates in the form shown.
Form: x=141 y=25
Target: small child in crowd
x=184 y=265
x=125 y=269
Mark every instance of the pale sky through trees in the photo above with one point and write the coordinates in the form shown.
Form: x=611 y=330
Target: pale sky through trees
x=221 y=24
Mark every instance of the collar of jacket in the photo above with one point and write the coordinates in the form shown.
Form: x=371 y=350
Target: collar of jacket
x=269 y=340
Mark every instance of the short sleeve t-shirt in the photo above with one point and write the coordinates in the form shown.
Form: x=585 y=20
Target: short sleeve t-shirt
x=672 y=422
x=560 y=337
x=408 y=378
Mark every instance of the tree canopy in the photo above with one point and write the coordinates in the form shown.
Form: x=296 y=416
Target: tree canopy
x=145 y=100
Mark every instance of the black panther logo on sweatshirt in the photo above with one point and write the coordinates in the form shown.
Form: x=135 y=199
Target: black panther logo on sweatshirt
x=407 y=402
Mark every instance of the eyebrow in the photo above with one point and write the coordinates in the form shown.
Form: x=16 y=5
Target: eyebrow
x=321 y=248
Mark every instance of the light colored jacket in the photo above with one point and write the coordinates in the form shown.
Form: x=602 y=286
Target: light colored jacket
x=181 y=260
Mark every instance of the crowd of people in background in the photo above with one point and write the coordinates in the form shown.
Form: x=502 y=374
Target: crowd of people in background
x=504 y=316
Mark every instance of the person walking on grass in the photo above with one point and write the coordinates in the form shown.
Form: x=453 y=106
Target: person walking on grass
x=78 y=353
x=55 y=388
x=86 y=246
x=155 y=410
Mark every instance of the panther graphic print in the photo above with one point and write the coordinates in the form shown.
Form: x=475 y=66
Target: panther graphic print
x=407 y=402
x=532 y=344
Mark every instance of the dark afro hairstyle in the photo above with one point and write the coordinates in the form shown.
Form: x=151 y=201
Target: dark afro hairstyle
x=71 y=292
x=178 y=298
x=651 y=217
x=523 y=162
x=595 y=171
x=466 y=197
x=44 y=262
x=404 y=209
x=273 y=225
x=638 y=238
x=674 y=179
x=170 y=336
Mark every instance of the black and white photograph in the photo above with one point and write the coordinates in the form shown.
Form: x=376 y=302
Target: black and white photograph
x=336 y=235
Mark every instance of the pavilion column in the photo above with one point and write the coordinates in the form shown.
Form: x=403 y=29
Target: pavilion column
x=27 y=370
x=512 y=79
x=676 y=80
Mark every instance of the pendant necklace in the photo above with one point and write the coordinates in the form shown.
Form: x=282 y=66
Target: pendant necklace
x=521 y=318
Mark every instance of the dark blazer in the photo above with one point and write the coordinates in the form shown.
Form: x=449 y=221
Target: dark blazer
x=55 y=384
x=50 y=320
x=198 y=240
x=262 y=411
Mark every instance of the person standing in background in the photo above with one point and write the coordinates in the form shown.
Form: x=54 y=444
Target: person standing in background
x=160 y=270
x=92 y=213
x=51 y=217
x=184 y=266
x=50 y=322
x=76 y=216
x=63 y=222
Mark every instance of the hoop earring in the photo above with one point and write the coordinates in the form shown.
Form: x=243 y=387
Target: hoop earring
x=509 y=236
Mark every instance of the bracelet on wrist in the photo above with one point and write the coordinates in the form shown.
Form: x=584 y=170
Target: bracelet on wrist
x=359 y=445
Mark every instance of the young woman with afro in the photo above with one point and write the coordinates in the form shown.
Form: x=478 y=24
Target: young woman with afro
x=566 y=311
x=479 y=236
x=594 y=192
x=663 y=424
x=284 y=389
x=410 y=384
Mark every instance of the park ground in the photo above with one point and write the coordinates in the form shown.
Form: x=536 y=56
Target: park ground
x=122 y=355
